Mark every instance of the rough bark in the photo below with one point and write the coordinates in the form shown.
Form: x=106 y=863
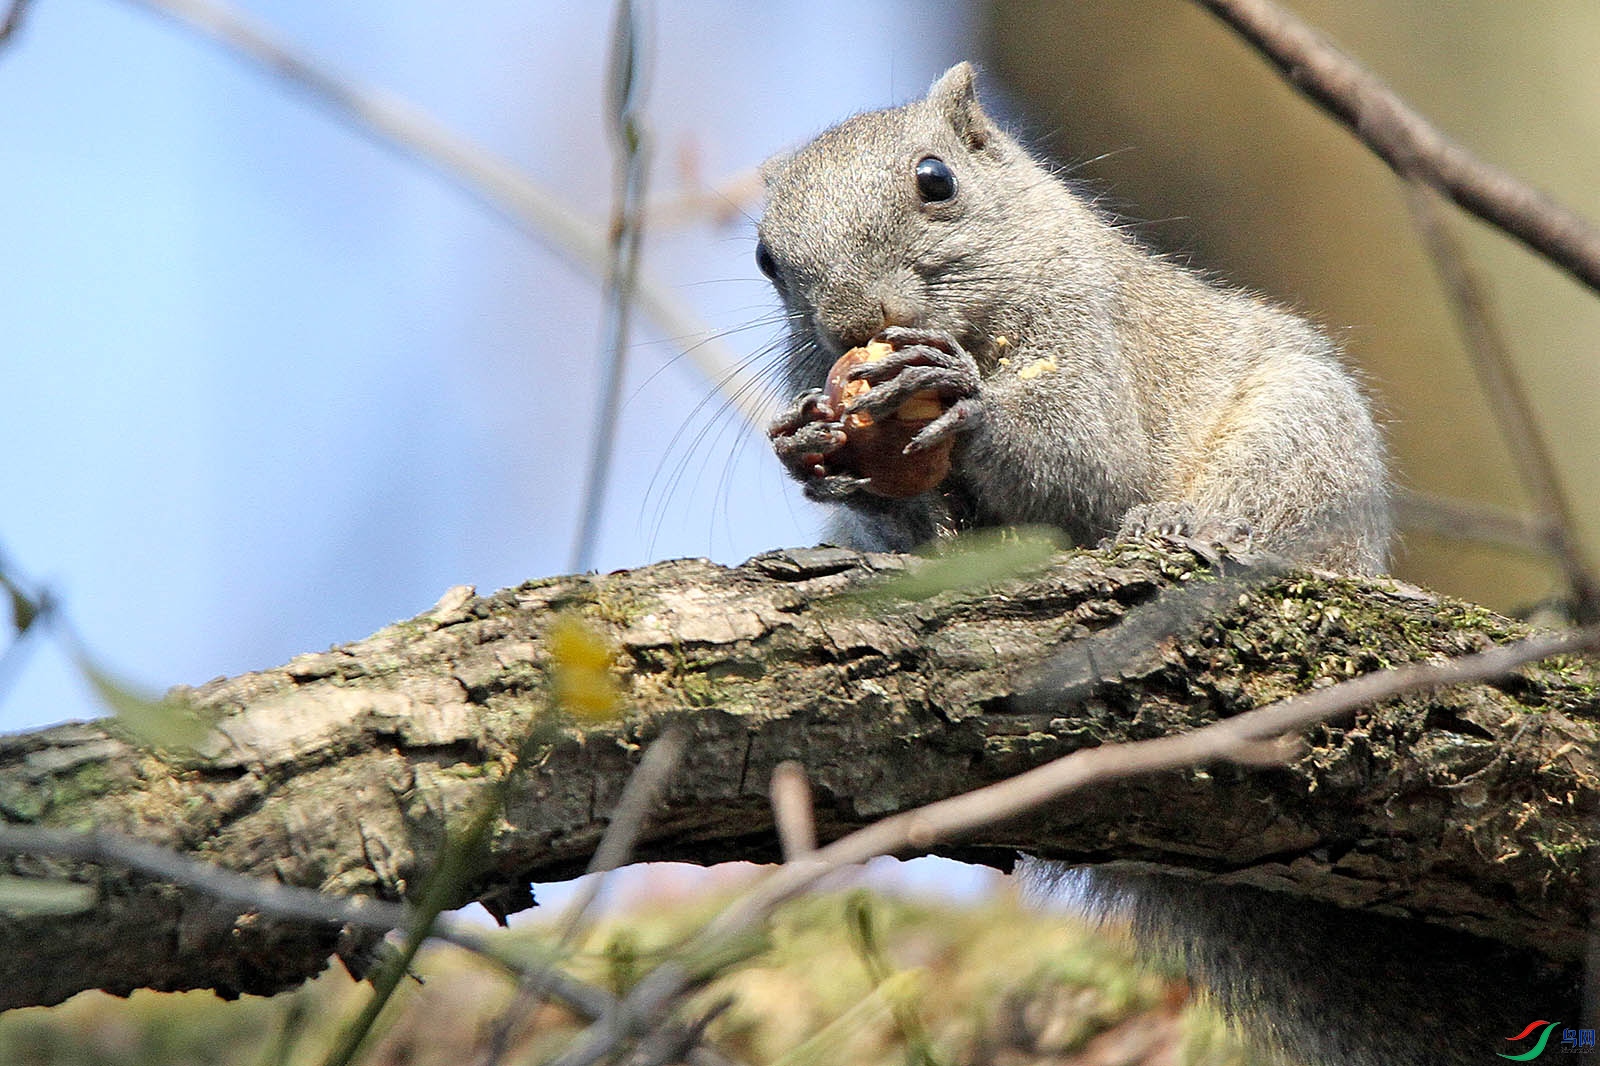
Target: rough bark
x=1469 y=808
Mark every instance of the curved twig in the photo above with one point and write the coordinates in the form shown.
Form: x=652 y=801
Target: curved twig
x=631 y=144
x=1491 y=359
x=1408 y=142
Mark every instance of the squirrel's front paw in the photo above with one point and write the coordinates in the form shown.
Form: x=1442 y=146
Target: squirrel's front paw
x=883 y=421
x=808 y=441
x=923 y=361
x=805 y=436
x=1181 y=521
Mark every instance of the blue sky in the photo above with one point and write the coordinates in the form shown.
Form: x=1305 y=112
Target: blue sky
x=271 y=386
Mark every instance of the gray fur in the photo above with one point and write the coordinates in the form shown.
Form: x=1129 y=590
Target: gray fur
x=1167 y=388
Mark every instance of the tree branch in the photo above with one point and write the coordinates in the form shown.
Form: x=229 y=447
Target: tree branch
x=340 y=771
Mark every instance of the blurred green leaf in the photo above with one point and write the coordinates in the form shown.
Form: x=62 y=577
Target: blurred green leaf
x=973 y=560
x=25 y=610
x=860 y=922
x=28 y=897
x=163 y=722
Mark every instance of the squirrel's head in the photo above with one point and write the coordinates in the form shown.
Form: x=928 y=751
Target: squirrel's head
x=900 y=217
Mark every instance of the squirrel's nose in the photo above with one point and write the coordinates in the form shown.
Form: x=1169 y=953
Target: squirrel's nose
x=898 y=310
x=893 y=309
x=855 y=317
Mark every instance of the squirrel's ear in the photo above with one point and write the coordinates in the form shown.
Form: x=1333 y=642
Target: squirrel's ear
x=955 y=96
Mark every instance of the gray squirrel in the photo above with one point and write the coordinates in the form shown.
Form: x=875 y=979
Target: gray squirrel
x=1088 y=384
x=1161 y=400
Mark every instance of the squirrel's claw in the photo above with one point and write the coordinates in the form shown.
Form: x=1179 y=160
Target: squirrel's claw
x=898 y=361
x=1183 y=523
x=834 y=487
x=808 y=447
x=804 y=438
x=916 y=347
x=902 y=337
x=958 y=418
x=807 y=408
x=923 y=361
x=885 y=398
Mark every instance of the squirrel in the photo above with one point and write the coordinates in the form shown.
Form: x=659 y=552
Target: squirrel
x=1088 y=384
x=1158 y=400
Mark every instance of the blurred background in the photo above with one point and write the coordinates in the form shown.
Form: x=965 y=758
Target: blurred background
x=271 y=385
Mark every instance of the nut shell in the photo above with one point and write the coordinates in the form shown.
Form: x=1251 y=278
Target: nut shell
x=875 y=448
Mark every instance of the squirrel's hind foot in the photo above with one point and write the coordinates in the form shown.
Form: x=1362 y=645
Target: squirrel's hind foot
x=1181 y=522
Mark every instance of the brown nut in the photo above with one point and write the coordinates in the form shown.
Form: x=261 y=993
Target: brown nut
x=875 y=449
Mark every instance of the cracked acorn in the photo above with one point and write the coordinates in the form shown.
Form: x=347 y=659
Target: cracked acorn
x=875 y=448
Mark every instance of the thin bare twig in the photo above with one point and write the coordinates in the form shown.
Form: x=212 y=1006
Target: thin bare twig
x=638 y=1014
x=639 y=796
x=1491 y=359
x=1408 y=142
x=719 y=203
x=937 y=822
x=283 y=901
x=683 y=1043
x=792 y=813
x=13 y=19
x=1470 y=520
x=631 y=144
x=1241 y=736
x=279 y=900
x=482 y=175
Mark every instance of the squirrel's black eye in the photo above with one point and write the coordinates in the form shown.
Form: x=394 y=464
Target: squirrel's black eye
x=936 y=182
x=764 y=261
